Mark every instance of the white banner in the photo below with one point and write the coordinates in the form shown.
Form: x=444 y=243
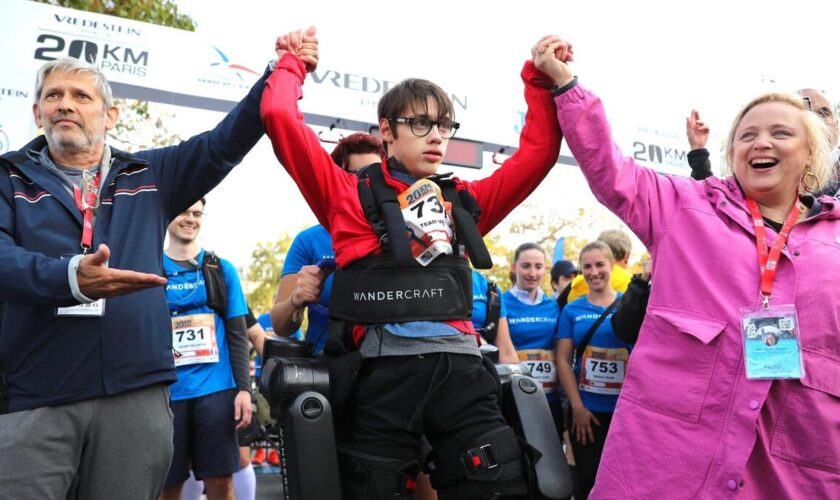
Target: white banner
x=167 y=65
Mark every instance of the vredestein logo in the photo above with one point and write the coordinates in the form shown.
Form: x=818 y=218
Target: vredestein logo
x=369 y=85
x=98 y=26
x=9 y=92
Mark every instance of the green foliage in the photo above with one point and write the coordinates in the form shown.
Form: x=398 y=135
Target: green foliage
x=161 y=12
x=501 y=261
x=138 y=128
x=545 y=228
x=264 y=273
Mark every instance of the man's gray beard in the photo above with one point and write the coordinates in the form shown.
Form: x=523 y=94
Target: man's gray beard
x=68 y=145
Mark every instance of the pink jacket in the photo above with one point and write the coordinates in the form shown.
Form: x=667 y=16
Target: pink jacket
x=688 y=423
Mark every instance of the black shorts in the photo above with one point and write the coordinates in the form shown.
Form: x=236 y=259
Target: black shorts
x=205 y=437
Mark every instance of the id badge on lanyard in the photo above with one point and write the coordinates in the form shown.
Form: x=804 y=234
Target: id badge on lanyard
x=770 y=331
x=90 y=310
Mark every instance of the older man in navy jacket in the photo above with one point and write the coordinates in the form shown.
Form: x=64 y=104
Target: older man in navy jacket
x=87 y=342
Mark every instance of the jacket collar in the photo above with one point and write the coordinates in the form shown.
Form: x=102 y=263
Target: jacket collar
x=726 y=195
x=38 y=174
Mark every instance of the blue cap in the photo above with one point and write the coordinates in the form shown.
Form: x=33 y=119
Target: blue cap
x=562 y=268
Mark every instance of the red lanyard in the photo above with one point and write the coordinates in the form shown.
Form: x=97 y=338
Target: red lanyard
x=86 y=202
x=769 y=261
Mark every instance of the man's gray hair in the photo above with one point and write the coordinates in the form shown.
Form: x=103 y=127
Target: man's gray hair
x=72 y=65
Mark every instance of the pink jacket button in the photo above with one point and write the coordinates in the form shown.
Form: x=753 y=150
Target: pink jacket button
x=754 y=404
x=732 y=484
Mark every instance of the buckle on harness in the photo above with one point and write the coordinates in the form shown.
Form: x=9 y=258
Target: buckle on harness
x=479 y=459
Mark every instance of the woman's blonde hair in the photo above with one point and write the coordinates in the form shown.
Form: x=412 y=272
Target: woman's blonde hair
x=816 y=130
x=596 y=245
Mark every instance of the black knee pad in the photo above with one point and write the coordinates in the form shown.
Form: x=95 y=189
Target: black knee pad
x=365 y=476
x=492 y=466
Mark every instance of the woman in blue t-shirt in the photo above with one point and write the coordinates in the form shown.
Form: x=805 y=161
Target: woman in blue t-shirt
x=481 y=298
x=532 y=321
x=594 y=380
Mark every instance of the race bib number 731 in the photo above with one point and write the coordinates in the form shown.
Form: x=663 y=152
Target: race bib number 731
x=194 y=339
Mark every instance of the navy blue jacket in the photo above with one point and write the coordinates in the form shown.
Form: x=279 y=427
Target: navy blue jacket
x=51 y=360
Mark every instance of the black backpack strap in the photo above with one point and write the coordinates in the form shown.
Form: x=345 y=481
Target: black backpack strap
x=465 y=214
x=389 y=214
x=631 y=310
x=586 y=338
x=494 y=312
x=214 y=281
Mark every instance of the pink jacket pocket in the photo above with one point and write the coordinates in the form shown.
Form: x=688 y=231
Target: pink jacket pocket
x=808 y=429
x=671 y=366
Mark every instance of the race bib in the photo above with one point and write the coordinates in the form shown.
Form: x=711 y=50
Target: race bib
x=771 y=343
x=427 y=221
x=92 y=309
x=541 y=364
x=194 y=339
x=602 y=369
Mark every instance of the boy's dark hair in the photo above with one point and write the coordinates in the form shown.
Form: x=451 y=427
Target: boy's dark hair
x=415 y=93
x=358 y=143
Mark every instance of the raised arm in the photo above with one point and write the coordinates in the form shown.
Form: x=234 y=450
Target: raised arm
x=697 y=133
x=539 y=148
x=189 y=170
x=295 y=144
x=643 y=199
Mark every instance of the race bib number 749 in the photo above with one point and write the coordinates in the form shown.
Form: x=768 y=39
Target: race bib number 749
x=541 y=364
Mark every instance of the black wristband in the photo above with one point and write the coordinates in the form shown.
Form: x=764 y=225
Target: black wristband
x=556 y=90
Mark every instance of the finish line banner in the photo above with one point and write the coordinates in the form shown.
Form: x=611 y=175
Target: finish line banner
x=142 y=61
x=171 y=66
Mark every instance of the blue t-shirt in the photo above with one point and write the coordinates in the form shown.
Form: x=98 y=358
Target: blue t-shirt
x=186 y=294
x=308 y=247
x=575 y=320
x=264 y=321
x=534 y=326
x=479 y=287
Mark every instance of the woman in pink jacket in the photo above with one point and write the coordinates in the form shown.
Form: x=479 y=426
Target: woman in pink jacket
x=708 y=410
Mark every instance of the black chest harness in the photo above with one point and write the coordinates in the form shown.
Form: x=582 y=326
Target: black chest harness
x=393 y=287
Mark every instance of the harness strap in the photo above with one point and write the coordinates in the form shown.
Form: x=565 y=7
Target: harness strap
x=391 y=215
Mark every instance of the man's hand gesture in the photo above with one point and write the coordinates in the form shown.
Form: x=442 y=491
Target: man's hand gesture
x=97 y=280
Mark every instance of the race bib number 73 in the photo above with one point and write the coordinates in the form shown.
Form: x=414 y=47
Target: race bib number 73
x=427 y=220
